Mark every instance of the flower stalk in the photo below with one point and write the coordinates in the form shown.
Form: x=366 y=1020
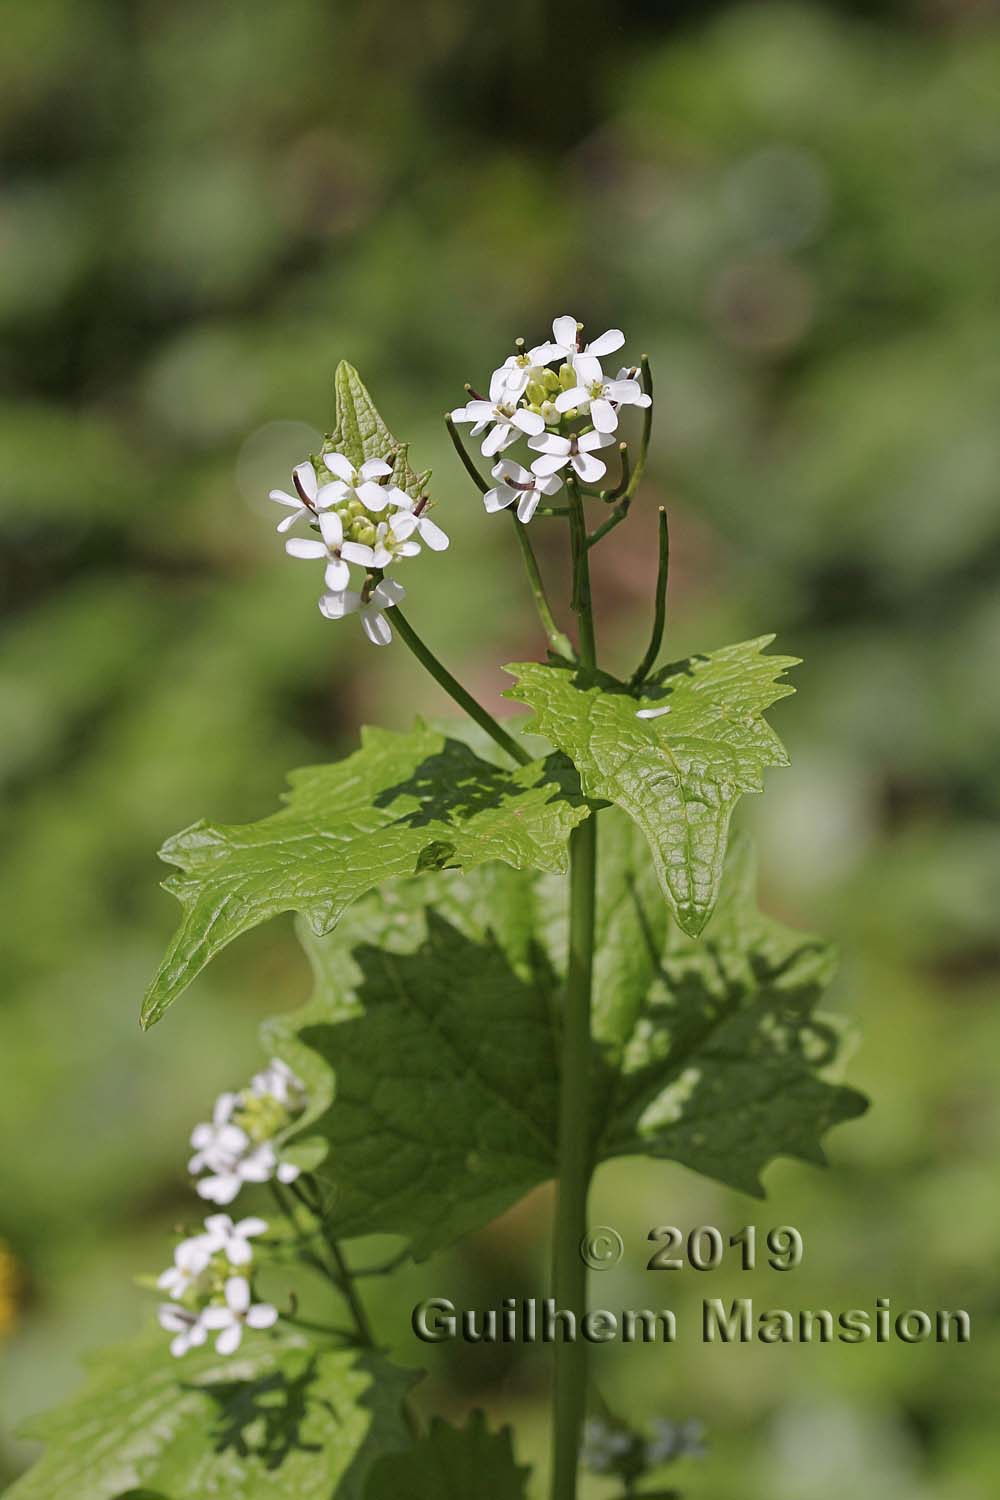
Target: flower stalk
x=644 y=668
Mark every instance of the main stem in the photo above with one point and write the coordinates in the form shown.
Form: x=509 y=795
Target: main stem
x=569 y=1398
x=425 y=656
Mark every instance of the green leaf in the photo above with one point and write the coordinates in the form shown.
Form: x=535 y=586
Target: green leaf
x=678 y=776
x=726 y=1063
x=400 y=804
x=360 y=433
x=452 y=1463
x=282 y=1419
x=436 y=1013
x=433 y=1014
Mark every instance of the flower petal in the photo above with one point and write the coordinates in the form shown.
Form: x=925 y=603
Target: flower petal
x=528 y=504
x=262 y=1315
x=340 y=464
x=603 y=415
x=652 y=713
x=564 y=331
x=331 y=528
x=376 y=627
x=544 y=354
x=332 y=494
x=588 y=369
x=374 y=468
x=607 y=343
x=499 y=498
x=589 y=469
x=549 y=463
x=550 y=442
x=389 y=592
x=217 y=1317
x=374 y=496
x=623 y=391
x=357 y=552
x=589 y=440
x=432 y=534
x=304 y=476
x=496 y=439
x=578 y=396
x=229 y=1339
x=528 y=421
x=336 y=606
x=237 y=1291
x=304 y=546
x=337 y=575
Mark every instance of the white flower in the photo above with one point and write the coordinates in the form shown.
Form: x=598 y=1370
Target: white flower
x=392 y=540
x=363 y=482
x=238 y=1313
x=372 y=611
x=411 y=520
x=190 y=1259
x=566 y=336
x=518 y=483
x=187 y=1327
x=309 y=497
x=600 y=396
x=218 y=1142
x=336 y=552
x=558 y=451
x=509 y=420
x=651 y=713
x=232 y=1240
x=277 y=1081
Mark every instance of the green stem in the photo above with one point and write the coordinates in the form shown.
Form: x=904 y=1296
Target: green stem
x=629 y=482
x=660 y=612
x=311 y=1327
x=623 y=480
x=575 y=1162
x=569 y=1277
x=350 y=1294
x=455 y=690
x=557 y=640
x=581 y=575
x=482 y=485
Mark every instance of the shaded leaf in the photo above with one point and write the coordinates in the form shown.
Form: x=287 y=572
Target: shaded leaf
x=436 y=1010
x=400 y=804
x=282 y=1418
x=452 y=1463
x=678 y=776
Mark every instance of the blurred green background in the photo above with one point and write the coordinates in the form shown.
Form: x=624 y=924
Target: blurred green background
x=796 y=211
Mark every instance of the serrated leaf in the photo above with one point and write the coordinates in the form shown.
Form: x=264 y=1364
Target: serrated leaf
x=282 y=1419
x=360 y=433
x=452 y=1463
x=727 y=1064
x=678 y=776
x=437 y=1028
x=400 y=804
x=436 y=1011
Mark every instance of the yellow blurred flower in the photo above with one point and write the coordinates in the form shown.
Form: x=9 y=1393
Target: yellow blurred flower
x=10 y=1282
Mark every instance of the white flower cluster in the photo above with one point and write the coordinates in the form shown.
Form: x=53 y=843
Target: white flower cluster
x=363 y=519
x=559 y=397
x=209 y=1283
x=209 y=1287
x=237 y=1144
